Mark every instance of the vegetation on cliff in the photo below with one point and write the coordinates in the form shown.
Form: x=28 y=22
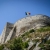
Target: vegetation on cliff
x=21 y=42
x=1 y=47
x=43 y=29
x=45 y=45
x=17 y=44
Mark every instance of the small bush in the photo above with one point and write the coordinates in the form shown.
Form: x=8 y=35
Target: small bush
x=41 y=45
x=48 y=42
x=17 y=44
x=36 y=40
x=25 y=34
x=26 y=45
x=1 y=47
x=32 y=30
x=43 y=29
x=28 y=32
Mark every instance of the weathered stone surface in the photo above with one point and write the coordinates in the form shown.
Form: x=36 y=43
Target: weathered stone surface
x=27 y=23
x=5 y=32
x=33 y=22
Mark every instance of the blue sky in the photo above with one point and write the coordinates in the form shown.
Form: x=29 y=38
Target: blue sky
x=13 y=10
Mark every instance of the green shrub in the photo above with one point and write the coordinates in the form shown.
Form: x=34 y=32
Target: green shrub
x=1 y=47
x=48 y=42
x=26 y=44
x=41 y=45
x=43 y=29
x=17 y=44
x=25 y=34
x=28 y=32
x=45 y=47
x=32 y=30
x=36 y=40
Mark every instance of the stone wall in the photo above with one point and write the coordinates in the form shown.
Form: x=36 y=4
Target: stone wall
x=6 y=31
x=32 y=22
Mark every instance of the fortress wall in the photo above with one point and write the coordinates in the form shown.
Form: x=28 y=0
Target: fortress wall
x=28 y=19
x=9 y=36
x=6 y=31
x=36 y=21
x=3 y=35
x=25 y=24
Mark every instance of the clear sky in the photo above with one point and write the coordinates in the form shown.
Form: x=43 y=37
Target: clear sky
x=13 y=10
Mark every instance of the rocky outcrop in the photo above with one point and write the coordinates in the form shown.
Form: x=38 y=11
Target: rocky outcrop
x=33 y=22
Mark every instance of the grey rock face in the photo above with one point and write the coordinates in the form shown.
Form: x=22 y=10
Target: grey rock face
x=23 y=25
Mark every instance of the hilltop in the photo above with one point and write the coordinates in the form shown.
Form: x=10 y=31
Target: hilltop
x=32 y=30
